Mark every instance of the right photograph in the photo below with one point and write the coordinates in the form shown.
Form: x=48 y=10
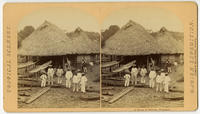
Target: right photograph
x=142 y=59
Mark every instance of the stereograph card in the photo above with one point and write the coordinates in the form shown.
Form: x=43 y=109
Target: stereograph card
x=99 y=56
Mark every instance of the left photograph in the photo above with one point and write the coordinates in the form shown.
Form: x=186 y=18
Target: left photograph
x=58 y=59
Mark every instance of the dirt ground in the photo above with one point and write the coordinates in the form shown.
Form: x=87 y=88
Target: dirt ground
x=141 y=97
x=65 y=98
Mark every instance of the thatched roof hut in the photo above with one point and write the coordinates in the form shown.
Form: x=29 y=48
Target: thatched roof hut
x=49 y=40
x=86 y=42
x=131 y=39
x=169 y=42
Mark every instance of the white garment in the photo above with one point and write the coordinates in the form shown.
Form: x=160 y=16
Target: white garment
x=175 y=63
x=68 y=75
x=134 y=71
x=158 y=79
x=59 y=72
x=152 y=74
x=127 y=79
x=68 y=83
x=75 y=79
x=167 y=79
x=143 y=71
x=162 y=77
x=79 y=75
x=50 y=72
x=83 y=83
x=44 y=79
x=91 y=63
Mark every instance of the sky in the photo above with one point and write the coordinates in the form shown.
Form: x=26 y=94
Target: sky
x=149 y=17
x=69 y=19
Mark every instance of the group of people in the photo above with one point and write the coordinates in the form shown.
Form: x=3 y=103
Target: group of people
x=77 y=79
x=159 y=79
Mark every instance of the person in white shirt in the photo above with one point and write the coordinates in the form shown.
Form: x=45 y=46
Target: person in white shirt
x=68 y=76
x=44 y=79
x=75 y=82
x=134 y=73
x=175 y=65
x=59 y=73
x=83 y=82
x=79 y=75
x=152 y=76
x=143 y=73
x=162 y=77
x=167 y=79
x=50 y=74
x=127 y=79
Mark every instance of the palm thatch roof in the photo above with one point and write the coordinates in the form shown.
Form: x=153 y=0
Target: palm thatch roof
x=170 y=42
x=131 y=39
x=49 y=40
x=87 y=42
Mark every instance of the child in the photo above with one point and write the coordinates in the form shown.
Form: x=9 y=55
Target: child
x=83 y=82
x=167 y=79
x=152 y=76
x=75 y=82
x=127 y=79
x=44 y=79
x=68 y=77
x=59 y=73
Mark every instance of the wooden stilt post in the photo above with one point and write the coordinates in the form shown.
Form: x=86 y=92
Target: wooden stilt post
x=147 y=62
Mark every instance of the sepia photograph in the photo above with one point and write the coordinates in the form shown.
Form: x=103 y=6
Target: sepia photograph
x=100 y=56
x=58 y=60
x=142 y=59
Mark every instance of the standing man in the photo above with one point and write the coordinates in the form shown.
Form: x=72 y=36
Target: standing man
x=83 y=82
x=79 y=75
x=143 y=73
x=134 y=73
x=50 y=74
x=68 y=76
x=152 y=76
x=68 y=64
x=59 y=73
x=162 y=78
x=84 y=68
x=75 y=83
x=168 y=64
